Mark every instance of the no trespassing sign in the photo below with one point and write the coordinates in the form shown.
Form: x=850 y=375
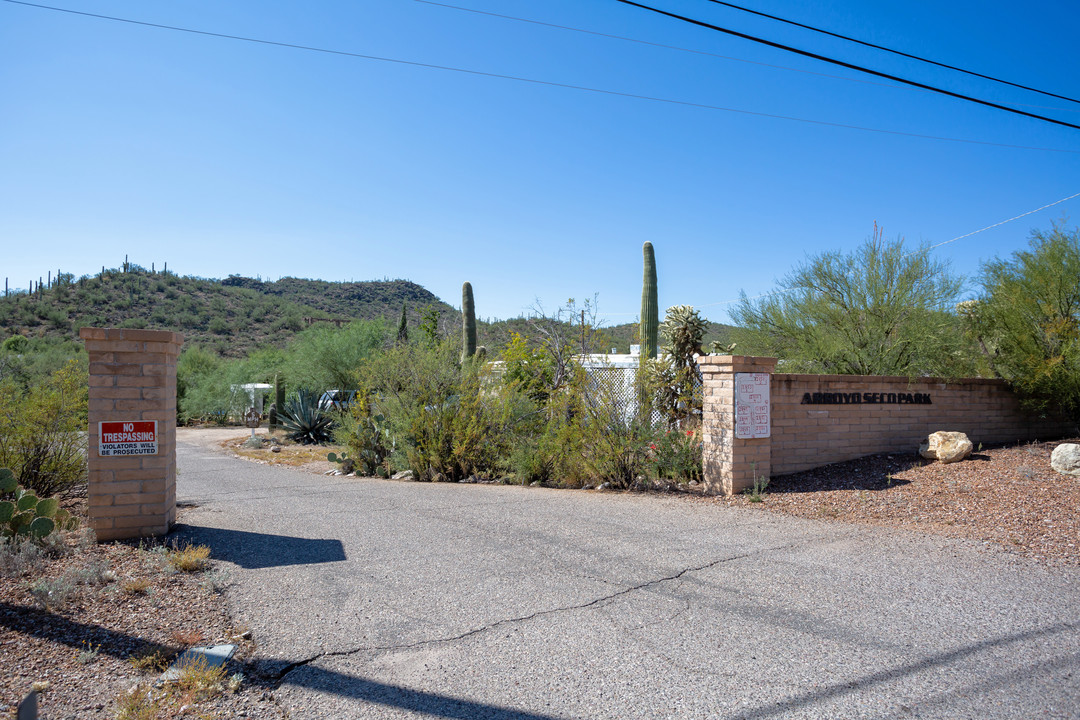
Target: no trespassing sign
x=127 y=437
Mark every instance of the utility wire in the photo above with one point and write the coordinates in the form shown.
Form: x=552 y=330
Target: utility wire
x=932 y=247
x=841 y=63
x=890 y=50
x=547 y=83
x=652 y=44
x=704 y=53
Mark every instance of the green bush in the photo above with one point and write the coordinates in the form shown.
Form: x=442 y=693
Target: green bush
x=42 y=430
x=1027 y=321
x=884 y=309
x=367 y=438
x=676 y=455
x=447 y=418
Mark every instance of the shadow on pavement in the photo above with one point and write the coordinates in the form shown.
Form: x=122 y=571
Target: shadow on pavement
x=260 y=550
x=427 y=704
x=930 y=663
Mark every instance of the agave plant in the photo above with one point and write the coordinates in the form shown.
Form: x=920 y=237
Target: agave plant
x=306 y=418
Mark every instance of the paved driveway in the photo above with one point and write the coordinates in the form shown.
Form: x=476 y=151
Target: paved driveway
x=380 y=599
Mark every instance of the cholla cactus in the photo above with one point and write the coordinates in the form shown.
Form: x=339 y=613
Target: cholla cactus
x=683 y=329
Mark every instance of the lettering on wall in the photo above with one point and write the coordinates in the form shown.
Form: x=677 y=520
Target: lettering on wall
x=866 y=398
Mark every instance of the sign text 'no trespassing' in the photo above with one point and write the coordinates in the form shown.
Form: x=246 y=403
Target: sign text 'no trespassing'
x=127 y=437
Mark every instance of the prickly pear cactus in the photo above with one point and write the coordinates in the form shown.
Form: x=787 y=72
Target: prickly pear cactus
x=7 y=481
x=650 y=313
x=24 y=515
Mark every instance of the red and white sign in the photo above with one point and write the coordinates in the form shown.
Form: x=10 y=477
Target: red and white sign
x=752 y=419
x=127 y=437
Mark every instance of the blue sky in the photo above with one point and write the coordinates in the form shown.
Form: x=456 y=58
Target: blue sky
x=225 y=157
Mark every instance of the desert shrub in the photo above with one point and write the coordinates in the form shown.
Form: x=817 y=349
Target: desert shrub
x=1027 y=321
x=675 y=454
x=446 y=418
x=884 y=309
x=19 y=557
x=365 y=434
x=207 y=386
x=31 y=361
x=41 y=431
x=325 y=357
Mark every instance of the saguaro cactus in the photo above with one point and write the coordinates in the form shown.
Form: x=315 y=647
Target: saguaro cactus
x=650 y=312
x=279 y=402
x=468 y=323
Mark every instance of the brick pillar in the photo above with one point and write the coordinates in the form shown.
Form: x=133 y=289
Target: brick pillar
x=730 y=462
x=132 y=379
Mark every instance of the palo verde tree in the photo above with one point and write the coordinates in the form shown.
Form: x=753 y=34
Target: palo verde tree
x=1027 y=320
x=883 y=309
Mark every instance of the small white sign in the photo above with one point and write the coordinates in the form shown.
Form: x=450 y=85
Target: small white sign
x=127 y=437
x=752 y=418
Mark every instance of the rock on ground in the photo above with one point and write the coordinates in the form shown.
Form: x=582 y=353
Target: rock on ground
x=946 y=447
x=1066 y=459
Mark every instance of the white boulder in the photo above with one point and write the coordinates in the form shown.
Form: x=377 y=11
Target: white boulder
x=1066 y=459
x=946 y=447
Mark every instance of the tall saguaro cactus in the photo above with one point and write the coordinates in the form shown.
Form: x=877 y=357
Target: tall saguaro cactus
x=650 y=312
x=468 y=323
x=279 y=401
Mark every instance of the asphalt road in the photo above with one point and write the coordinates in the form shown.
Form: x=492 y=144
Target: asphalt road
x=382 y=599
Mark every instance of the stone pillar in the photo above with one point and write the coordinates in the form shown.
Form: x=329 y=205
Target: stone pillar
x=731 y=462
x=132 y=492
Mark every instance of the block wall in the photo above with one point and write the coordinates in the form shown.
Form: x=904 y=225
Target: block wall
x=132 y=377
x=808 y=435
x=730 y=463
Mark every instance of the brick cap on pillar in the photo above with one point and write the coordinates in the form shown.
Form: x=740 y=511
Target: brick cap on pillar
x=131 y=334
x=745 y=363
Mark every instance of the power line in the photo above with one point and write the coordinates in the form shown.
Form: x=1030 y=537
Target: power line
x=841 y=63
x=998 y=224
x=932 y=247
x=890 y=50
x=664 y=46
x=534 y=81
x=693 y=51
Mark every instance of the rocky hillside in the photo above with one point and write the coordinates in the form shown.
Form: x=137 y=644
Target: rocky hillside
x=231 y=316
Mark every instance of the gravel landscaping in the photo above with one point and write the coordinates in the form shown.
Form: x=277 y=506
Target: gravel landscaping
x=1008 y=497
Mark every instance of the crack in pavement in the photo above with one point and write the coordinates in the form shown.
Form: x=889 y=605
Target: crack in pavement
x=279 y=676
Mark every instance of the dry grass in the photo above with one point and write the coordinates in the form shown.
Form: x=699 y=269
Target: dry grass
x=290 y=455
x=186 y=638
x=150 y=659
x=190 y=558
x=138 y=704
x=198 y=681
x=136 y=586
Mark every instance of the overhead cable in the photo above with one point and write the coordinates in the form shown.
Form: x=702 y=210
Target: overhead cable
x=841 y=63
x=694 y=51
x=534 y=81
x=890 y=50
x=931 y=247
